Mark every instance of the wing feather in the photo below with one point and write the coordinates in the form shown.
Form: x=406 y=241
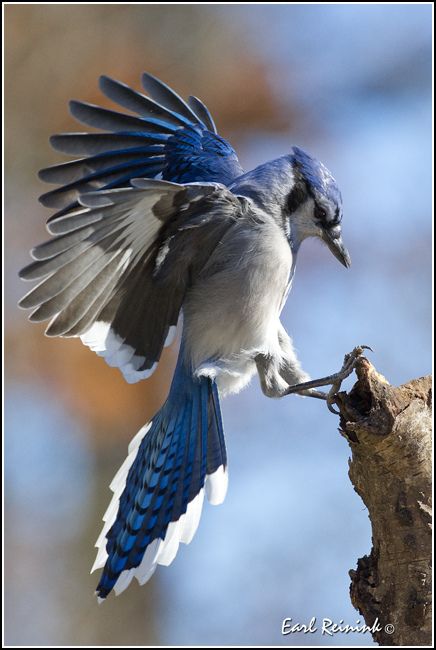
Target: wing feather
x=117 y=272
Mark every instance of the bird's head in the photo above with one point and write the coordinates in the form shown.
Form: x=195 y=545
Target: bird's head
x=301 y=195
x=313 y=206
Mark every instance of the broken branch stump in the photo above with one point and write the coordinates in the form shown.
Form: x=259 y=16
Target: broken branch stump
x=389 y=431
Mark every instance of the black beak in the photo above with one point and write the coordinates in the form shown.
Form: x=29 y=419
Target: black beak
x=337 y=248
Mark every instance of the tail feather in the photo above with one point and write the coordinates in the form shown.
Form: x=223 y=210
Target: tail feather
x=159 y=489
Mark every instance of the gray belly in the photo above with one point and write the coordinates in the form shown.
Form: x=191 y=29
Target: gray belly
x=231 y=311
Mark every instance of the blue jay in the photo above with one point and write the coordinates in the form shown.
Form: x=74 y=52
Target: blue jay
x=158 y=225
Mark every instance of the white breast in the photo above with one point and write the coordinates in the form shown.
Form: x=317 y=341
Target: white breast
x=231 y=312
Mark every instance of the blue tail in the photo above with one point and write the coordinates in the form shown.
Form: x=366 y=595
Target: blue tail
x=170 y=463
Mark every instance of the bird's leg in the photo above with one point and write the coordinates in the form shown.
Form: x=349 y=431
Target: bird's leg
x=310 y=392
x=346 y=370
x=271 y=382
x=335 y=380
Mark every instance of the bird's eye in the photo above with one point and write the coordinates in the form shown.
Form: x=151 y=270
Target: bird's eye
x=320 y=214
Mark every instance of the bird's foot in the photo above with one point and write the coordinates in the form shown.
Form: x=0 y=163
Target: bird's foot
x=307 y=388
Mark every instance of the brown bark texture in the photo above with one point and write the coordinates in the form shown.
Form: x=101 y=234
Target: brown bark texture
x=389 y=430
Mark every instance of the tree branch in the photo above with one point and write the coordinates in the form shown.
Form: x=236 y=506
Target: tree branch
x=389 y=433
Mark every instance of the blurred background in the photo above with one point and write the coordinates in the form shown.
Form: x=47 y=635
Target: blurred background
x=352 y=85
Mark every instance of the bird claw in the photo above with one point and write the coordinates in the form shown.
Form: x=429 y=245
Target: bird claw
x=334 y=380
x=346 y=370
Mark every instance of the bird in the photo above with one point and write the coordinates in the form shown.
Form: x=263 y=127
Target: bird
x=159 y=232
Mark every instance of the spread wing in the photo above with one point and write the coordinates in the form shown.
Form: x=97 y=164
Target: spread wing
x=117 y=270
x=165 y=137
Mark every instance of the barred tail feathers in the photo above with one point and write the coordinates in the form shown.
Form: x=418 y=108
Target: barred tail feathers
x=159 y=489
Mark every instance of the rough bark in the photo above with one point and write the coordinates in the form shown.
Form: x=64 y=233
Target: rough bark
x=389 y=433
